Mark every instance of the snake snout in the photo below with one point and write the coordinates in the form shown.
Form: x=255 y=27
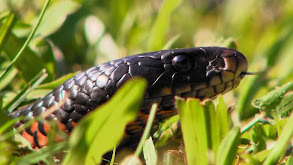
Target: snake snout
x=242 y=65
x=234 y=62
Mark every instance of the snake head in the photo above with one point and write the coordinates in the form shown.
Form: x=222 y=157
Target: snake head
x=193 y=71
x=224 y=69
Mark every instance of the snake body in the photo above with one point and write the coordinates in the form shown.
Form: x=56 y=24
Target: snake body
x=201 y=72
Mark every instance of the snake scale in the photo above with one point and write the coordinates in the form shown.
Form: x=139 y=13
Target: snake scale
x=200 y=72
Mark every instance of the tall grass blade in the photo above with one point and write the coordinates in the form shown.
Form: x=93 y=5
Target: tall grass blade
x=101 y=130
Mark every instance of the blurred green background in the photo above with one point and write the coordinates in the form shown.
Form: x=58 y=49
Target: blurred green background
x=75 y=35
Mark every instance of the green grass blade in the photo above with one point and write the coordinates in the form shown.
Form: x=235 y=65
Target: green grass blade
x=257 y=119
x=1 y=103
x=5 y=29
x=147 y=129
x=4 y=119
x=222 y=124
x=149 y=152
x=188 y=128
x=8 y=77
x=222 y=117
x=262 y=155
x=38 y=79
x=283 y=141
x=131 y=160
x=113 y=156
x=101 y=130
x=15 y=59
x=227 y=149
x=161 y=25
x=55 y=15
x=167 y=131
x=28 y=64
x=285 y=106
x=194 y=130
x=258 y=137
x=54 y=84
x=210 y=121
x=273 y=98
x=42 y=154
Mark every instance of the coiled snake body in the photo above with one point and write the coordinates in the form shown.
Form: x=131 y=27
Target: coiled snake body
x=201 y=72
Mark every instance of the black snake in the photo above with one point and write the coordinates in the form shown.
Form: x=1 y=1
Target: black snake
x=201 y=72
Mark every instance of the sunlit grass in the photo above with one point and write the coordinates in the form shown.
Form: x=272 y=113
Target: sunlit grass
x=75 y=35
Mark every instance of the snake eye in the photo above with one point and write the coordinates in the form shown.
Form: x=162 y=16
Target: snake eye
x=182 y=63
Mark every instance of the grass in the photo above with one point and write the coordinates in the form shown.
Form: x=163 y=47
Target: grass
x=251 y=125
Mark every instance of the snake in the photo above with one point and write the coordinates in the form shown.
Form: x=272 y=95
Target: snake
x=199 y=72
